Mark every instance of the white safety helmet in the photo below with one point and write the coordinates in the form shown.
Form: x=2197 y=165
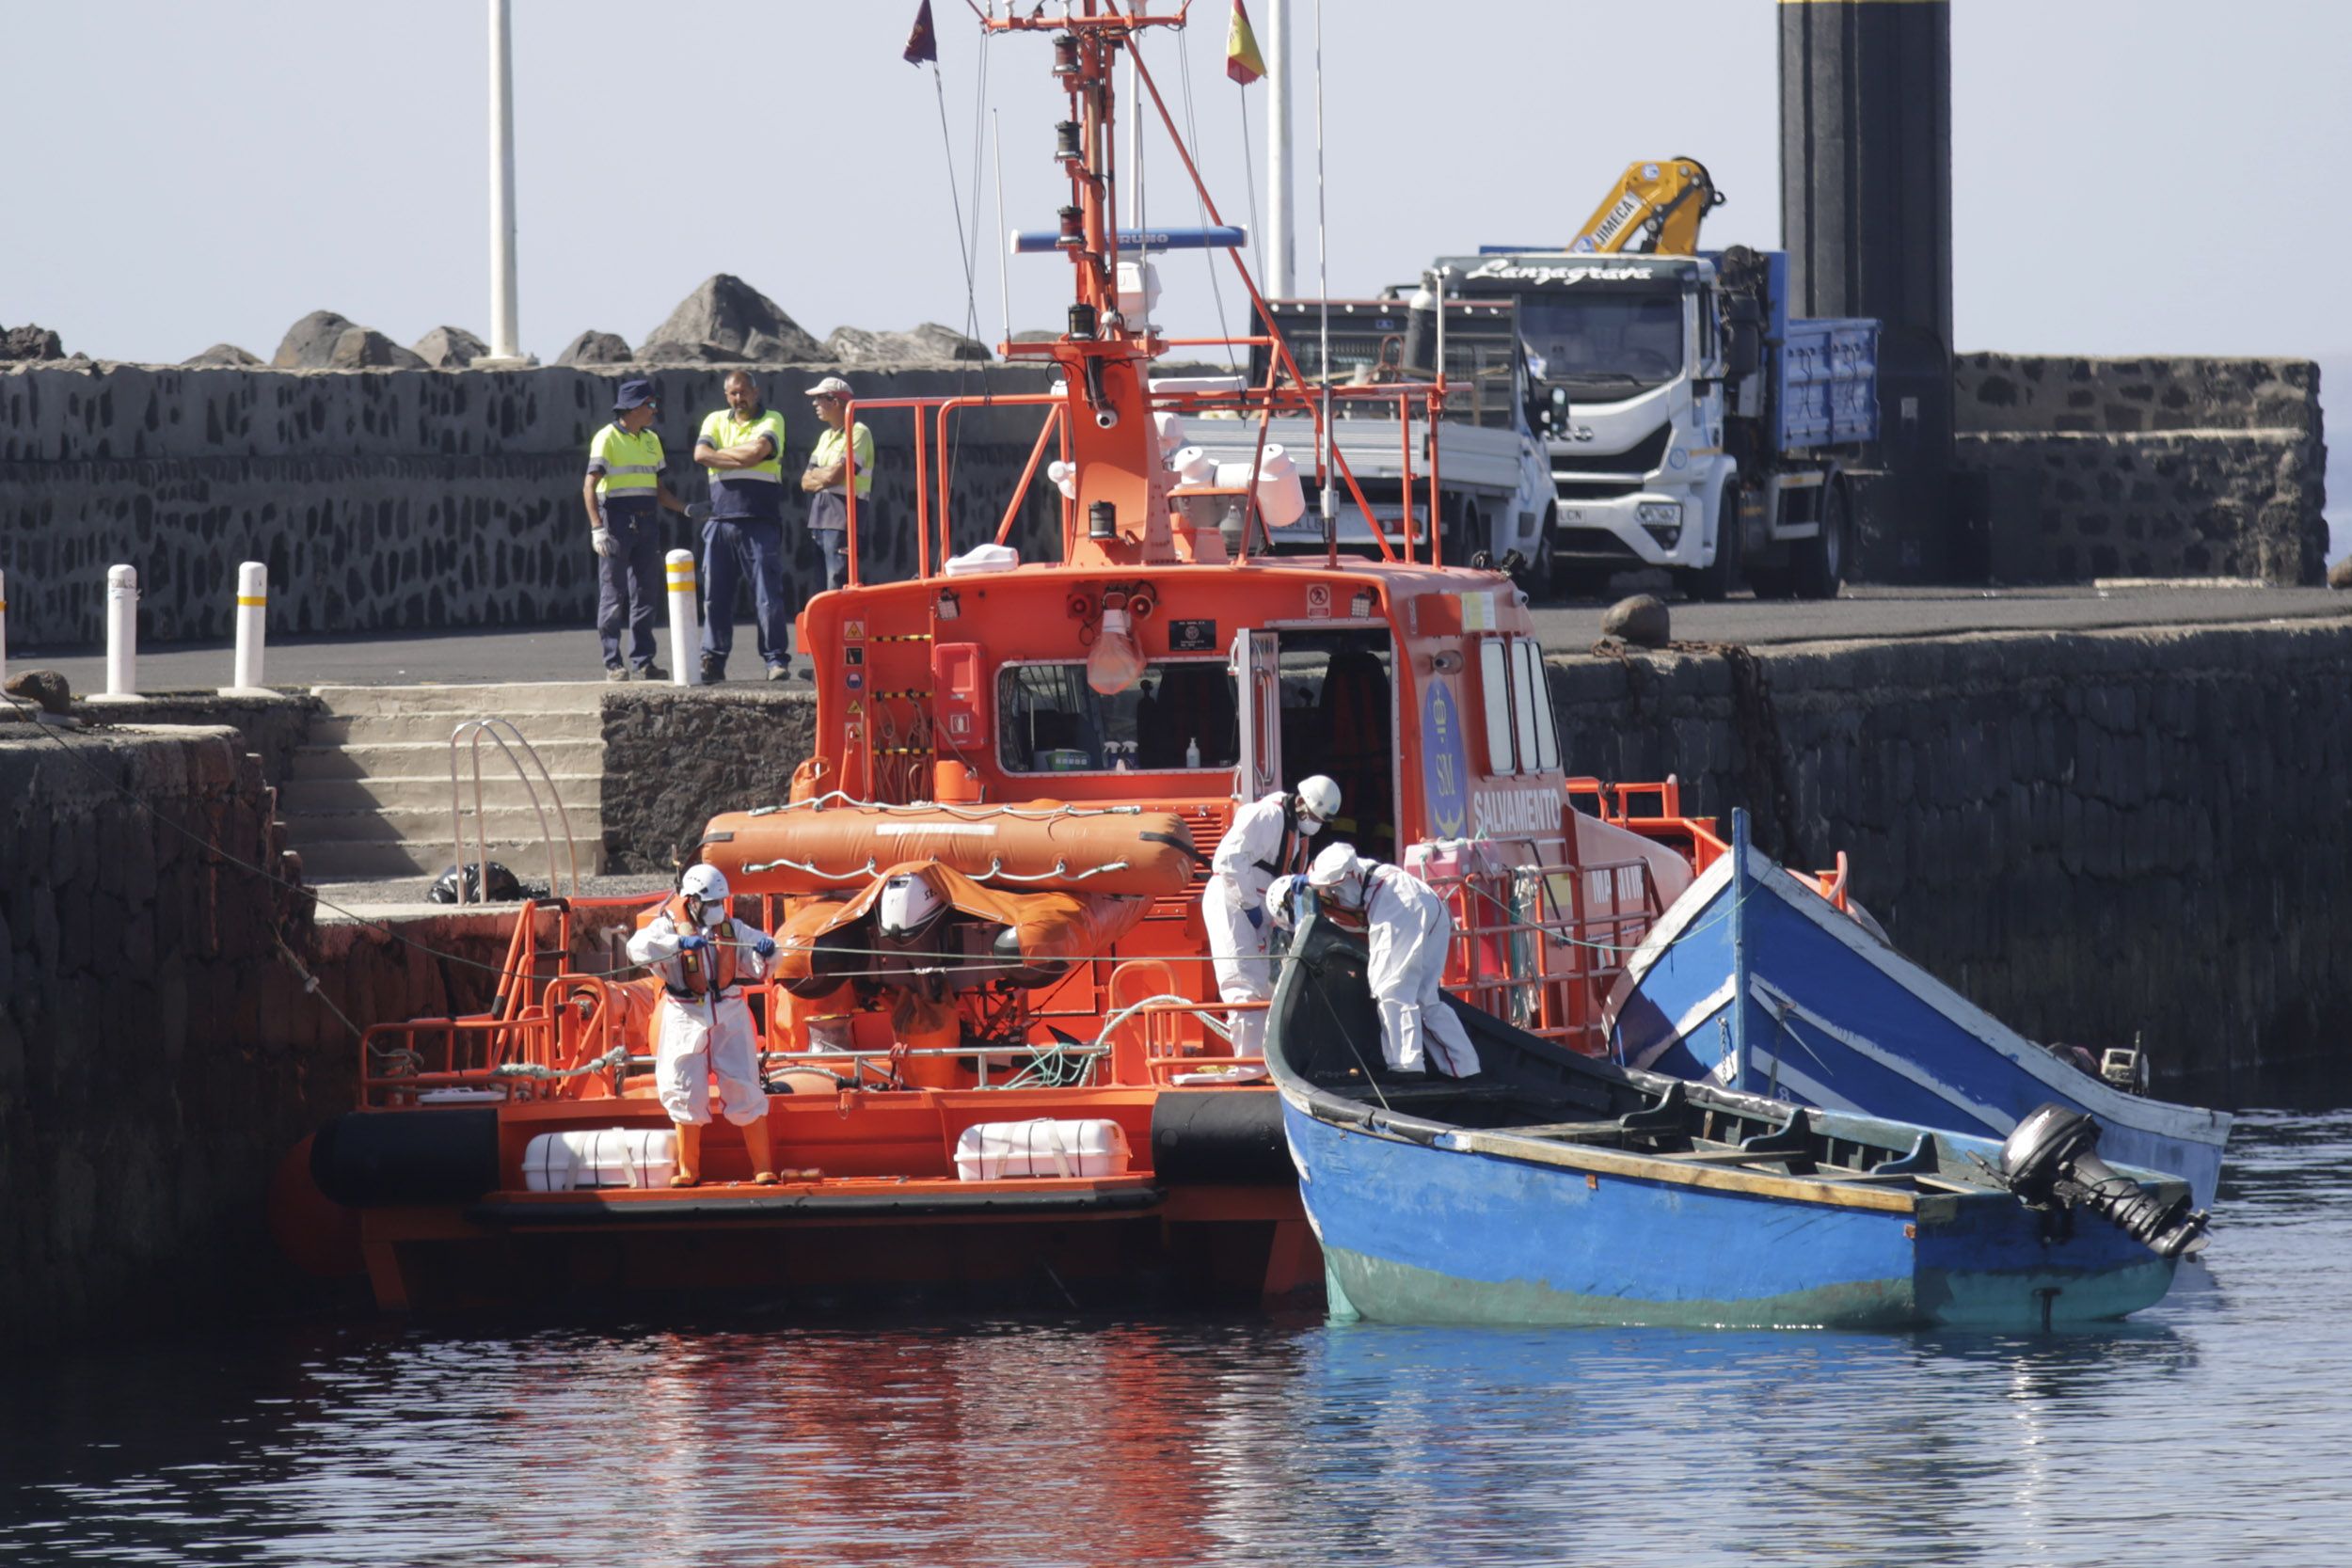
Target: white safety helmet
x=1338 y=874
x=704 y=888
x=1318 y=802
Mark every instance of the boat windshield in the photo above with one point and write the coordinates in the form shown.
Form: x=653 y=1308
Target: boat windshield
x=1626 y=340
x=1052 y=721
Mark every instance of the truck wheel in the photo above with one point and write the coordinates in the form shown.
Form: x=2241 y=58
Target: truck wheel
x=1540 y=576
x=1820 y=560
x=1715 y=580
x=1462 y=534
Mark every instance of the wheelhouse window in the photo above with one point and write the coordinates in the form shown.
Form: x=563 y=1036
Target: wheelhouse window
x=1052 y=721
x=1516 y=698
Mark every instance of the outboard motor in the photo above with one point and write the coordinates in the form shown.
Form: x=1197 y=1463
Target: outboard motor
x=907 y=907
x=2048 y=1162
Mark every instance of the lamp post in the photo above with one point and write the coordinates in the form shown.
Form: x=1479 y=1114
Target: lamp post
x=504 y=336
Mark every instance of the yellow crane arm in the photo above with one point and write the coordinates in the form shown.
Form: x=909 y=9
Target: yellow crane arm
x=1655 y=208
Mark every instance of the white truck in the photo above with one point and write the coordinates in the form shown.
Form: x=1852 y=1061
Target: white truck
x=1690 y=424
x=1494 y=476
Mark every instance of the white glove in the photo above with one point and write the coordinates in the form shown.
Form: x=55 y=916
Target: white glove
x=698 y=512
x=600 y=540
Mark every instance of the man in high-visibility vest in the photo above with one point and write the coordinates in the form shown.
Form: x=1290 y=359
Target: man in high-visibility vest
x=625 y=495
x=742 y=448
x=828 y=477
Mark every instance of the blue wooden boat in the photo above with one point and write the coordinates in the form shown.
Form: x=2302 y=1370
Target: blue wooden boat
x=1755 y=981
x=1552 y=1188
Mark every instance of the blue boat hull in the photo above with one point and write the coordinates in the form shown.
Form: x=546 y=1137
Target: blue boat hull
x=1756 y=982
x=1425 y=1233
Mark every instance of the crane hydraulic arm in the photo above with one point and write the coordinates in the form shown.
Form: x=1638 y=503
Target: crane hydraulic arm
x=1656 y=208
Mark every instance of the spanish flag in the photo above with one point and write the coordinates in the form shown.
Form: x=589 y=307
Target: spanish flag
x=1243 y=62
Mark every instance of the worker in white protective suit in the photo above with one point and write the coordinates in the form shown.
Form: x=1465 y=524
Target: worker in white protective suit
x=1267 y=839
x=1409 y=929
x=702 y=1027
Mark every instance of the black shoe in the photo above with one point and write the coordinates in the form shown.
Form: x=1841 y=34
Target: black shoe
x=650 y=672
x=713 y=671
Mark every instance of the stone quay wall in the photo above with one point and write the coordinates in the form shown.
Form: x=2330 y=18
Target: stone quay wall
x=2091 y=835
x=409 y=499
x=2145 y=467
x=161 y=1050
x=674 y=758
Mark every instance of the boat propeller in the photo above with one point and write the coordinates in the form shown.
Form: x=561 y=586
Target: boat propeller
x=2049 y=1161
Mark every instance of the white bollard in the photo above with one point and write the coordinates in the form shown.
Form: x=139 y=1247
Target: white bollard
x=252 y=623
x=122 y=631
x=685 y=647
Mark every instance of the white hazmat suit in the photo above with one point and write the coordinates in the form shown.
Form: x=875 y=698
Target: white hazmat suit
x=1265 y=841
x=700 y=1037
x=1408 y=930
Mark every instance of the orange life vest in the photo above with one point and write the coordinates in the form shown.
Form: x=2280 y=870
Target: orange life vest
x=701 y=979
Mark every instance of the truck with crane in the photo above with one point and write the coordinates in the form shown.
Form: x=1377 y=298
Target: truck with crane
x=1692 y=424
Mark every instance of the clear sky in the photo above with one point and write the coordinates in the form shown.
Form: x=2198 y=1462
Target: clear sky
x=2130 y=175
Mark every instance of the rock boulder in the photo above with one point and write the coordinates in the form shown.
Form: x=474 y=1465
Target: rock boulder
x=449 y=348
x=364 y=348
x=45 y=688
x=310 y=343
x=223 y=356
x=669 y=350
x=927 y=344
x=1641 y=620
x=596 y=348
x=727 y=312
x=30 y=342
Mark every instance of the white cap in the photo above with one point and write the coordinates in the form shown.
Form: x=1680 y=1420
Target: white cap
x=832 y=387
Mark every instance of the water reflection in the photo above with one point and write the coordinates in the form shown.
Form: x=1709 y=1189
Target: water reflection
x=2210 y=1425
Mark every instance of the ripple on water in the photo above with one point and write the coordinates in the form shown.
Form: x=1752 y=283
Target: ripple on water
x=2210 y=1427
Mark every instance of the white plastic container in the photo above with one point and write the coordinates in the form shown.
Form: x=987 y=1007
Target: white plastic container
x=997 y=1150
x=601 y=1157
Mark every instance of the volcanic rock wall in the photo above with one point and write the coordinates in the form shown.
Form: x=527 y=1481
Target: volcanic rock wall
x=400 y=500
x=673 y=758
x=2088 y=834
x=2145 y=467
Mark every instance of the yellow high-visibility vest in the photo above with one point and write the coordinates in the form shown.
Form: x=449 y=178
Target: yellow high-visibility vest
x=628 y=467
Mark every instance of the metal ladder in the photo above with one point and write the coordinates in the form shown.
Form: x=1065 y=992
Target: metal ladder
x=501 y=731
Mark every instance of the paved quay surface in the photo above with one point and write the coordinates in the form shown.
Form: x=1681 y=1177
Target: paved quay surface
x=545 y=654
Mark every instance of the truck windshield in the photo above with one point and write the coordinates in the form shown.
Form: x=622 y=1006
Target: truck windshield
x=1624 y=339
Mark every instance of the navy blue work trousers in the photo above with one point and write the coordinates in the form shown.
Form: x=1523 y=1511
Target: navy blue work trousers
x=629 y=583
x=736 y=548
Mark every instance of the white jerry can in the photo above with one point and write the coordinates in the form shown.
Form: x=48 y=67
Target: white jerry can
x=994 y=1150
x=601 y=1157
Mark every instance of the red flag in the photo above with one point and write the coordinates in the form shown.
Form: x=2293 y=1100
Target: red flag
x=1243 y=62
x=922 y=43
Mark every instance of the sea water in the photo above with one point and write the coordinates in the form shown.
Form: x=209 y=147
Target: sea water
x=2214 y=1427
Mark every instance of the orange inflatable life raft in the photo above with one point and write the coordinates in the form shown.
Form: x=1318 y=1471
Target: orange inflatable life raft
x=812 y=846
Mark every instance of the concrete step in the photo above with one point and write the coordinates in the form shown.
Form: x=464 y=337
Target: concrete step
x=341 y=859
x=377 y=729
x=512 y=824
x=510 y=700
x=413 y=759
x=379 y=792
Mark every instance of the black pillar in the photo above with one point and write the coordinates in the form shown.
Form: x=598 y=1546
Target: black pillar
x=1866 y=213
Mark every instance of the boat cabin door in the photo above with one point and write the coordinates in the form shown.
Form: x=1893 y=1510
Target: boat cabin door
x=1320 y=698
x=1257 y=662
